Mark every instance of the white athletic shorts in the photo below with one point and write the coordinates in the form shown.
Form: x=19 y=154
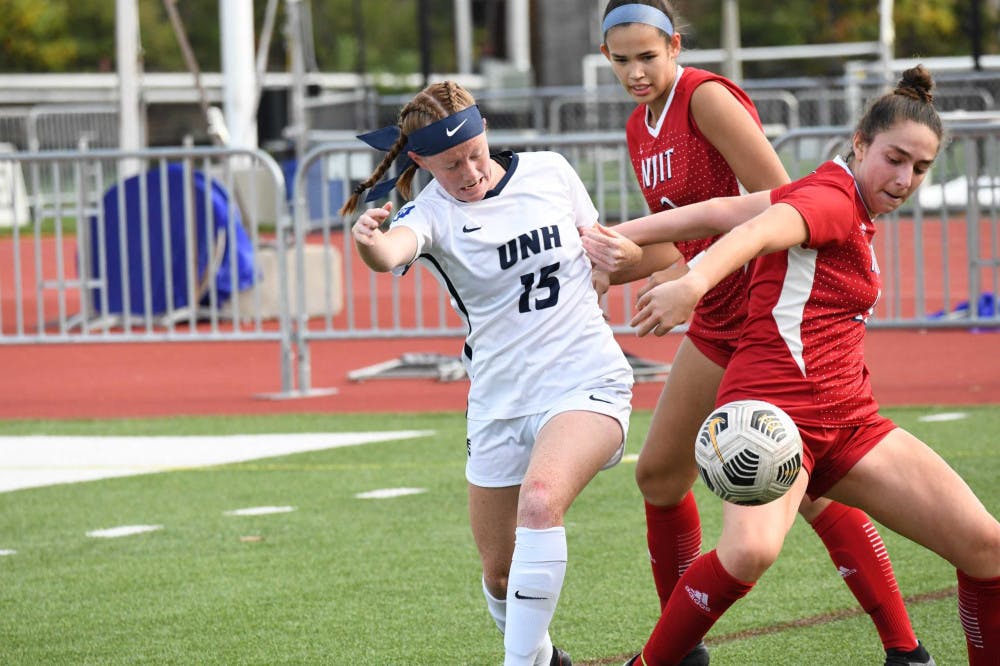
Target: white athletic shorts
x=499 y=449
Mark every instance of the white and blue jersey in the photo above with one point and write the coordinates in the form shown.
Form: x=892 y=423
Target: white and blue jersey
x=518 y=276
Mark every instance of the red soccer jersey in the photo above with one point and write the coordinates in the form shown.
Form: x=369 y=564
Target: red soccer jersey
x=676 y=165
x=802 y=346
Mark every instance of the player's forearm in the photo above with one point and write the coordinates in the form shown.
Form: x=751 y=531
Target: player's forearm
x=699 y=220
x=378 y=257
x=778 y=228
x=655 y=257
x=728 y=254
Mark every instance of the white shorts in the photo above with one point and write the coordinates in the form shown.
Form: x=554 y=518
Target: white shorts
x=499 y=450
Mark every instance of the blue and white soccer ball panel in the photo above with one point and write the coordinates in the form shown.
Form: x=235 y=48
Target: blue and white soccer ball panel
x=749 y=452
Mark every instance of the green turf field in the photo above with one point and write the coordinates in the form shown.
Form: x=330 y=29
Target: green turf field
x=342 y=580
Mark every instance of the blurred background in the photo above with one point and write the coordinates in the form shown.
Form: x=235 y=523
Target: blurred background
x=353 y=61
x=172 y=170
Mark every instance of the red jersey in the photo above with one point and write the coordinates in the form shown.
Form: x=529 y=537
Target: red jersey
x=676 y=165
x=802 y=346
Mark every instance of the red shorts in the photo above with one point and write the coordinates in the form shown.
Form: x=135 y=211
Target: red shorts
x=830 y=453
x=717 y=350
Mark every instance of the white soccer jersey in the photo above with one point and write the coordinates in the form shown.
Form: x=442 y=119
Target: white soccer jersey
x=518 y=276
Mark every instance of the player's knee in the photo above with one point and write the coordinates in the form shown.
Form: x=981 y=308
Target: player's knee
x=810 y=510
x=495 y=580
x=982 y=561
x=748 y=560
x=664 y=486
x=536 y=506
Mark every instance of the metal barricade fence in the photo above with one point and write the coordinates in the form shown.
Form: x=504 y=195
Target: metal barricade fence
x=938 y=254
x=157 y=245
x=159 y=249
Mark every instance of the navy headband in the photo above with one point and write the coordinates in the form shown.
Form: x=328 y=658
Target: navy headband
x=435 y=138
x=636 y=13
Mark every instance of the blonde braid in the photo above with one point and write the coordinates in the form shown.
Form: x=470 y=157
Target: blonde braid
x=352 y=202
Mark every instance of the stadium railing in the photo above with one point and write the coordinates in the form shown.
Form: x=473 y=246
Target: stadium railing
x=202 y=244
x=939 y=254
x=157 y=245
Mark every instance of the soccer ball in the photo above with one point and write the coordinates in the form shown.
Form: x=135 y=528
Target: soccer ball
x=749 y=452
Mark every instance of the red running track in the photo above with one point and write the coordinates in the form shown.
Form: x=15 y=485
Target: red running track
x=939 y=367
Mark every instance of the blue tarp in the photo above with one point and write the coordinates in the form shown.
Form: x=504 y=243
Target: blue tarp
x=170 y=236
x=986 y=307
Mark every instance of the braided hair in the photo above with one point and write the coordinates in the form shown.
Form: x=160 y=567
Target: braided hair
x=433 y=103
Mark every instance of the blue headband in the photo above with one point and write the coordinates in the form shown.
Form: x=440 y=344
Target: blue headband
x=435 y=138
x=636 y=13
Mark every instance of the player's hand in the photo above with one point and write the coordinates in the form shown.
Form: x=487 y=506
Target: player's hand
x=601 y=281
x=609 y=250
x=667 y=305
x=366 y=231
x=677 y=270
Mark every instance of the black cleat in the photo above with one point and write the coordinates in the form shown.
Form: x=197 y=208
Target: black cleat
x=698 y=656
x=916 y=657
x=560 y=658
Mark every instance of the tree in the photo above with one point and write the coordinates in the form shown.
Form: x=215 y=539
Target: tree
x=923 y=28
x=78 y=35
x=34 y=36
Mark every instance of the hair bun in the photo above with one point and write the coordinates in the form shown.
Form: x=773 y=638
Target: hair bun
x=917 y=84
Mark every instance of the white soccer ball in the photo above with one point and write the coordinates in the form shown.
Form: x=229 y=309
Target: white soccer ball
x=749 y=452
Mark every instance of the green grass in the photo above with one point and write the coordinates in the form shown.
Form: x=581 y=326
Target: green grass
x=396 y=581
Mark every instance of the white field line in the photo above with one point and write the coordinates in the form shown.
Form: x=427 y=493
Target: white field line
x=42 y=460
x=259 y=511
x=123 y=531
x=387 y=493
x=942 y=417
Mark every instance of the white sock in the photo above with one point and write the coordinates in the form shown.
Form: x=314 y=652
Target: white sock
x=544 y=655
x=533 y=585
x=497 y=608
x=498 y=611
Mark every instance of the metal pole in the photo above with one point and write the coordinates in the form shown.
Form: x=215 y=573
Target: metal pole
x=239 y=76
x=293 y=34
x=519 y=34
x=886 y=39
x=732 y=67
x=129 y=90
x=463 y=35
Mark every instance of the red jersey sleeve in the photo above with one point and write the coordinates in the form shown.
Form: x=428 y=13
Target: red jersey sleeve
x=826 y=200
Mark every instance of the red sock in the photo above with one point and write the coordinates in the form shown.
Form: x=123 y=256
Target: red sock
x=863 y=562
x=702 y=595
x=673 y=534
x=979 y=610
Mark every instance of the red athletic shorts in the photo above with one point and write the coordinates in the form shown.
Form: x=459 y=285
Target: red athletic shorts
x=717 y=350
x=830 y=453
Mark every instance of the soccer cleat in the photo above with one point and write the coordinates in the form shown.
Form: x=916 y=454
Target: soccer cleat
x=560 y=658
x=698 y=656
x=919 y=656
